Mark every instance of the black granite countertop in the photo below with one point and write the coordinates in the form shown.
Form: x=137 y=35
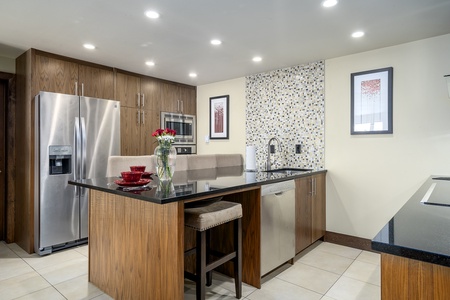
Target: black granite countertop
x=194 y=183
x=420 y=230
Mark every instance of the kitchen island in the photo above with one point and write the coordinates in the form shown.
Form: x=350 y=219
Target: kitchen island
x=137 y=239
x=415 y=246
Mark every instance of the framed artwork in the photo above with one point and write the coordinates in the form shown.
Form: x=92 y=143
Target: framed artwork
x=371 y=102
x=218 y=117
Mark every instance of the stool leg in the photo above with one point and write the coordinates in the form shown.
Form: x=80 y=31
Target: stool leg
x=208 y=257
x=238 y=259
x=201 y=265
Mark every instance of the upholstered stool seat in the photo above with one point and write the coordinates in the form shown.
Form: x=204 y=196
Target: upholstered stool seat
x=202 y=217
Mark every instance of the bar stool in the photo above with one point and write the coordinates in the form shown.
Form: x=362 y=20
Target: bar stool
x=202 y=217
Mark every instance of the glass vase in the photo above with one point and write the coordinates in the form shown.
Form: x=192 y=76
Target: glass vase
x=165 y=161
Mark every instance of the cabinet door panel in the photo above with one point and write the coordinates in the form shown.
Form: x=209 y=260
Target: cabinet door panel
x=318 y=204
x=188 y=98
x=127 y=90
x=151 y=90
x=98 y=83
x=55 y=75
x=129 y=131
x=150 y=123
x=302 y=213
x=169 y=97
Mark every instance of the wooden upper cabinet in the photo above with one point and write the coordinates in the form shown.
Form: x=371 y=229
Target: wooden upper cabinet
x=95 y=82
x=178 y=98
x=54 y=75
x=128 y=89
x=150 y=94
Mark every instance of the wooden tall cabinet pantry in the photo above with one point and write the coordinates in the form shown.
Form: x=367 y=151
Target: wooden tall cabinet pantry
x=178 y=98
x=310 y=216
x=139 y=98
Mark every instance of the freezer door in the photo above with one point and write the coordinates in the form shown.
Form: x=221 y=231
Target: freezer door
x=56 y=202
x=100 y=127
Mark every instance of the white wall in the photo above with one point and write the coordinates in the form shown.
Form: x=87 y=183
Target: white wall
x=371 y=177
x=236 y=143
x=7 y=65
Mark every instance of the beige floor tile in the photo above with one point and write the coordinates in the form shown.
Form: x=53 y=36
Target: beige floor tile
x=19 y=251
x=12 y=267
x=327 y=298
x=370 y=257
x=277 y=289
x=212 y=292
x=326 y=261
x=22 y=285
x=41 y=262
x=83 y=250
x=64 y=271
x=79 y=288
x=45 y=294
x=339 y=250
x=228 y=283
x=103 y=297
x=309 y=277
x=6 y=252
x=365 y=272
x=351 y=289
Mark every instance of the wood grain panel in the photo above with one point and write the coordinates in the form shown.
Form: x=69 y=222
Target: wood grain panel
x=130 y=131
x=151 y=89
x=302 y=213
x=150 y=122
x=403 y=278
x=318 y=208
x=11 y=161
x=98 y=82
x=169 y=97
x=127 y=89
x=189 y=97
x=135 y=247
x=55 y=75
x=3 y=99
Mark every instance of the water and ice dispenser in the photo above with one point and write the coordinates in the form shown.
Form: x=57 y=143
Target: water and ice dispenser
x=60 y=160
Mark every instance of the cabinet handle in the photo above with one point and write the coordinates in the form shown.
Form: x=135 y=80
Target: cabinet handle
x=138 y=118
x=182 y=106
x=313 y=186
x=82 y=89
x=76 y=88
x=143 y=99
x=178 y=105
x=138 y=99
x=143 y=118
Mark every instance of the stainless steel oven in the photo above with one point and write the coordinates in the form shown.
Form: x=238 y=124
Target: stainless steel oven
x=185 y=126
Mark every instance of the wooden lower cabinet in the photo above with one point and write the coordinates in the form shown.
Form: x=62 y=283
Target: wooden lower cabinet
x=408 y=279
x=310 y=210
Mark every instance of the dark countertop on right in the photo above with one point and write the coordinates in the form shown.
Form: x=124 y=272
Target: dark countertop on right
x=418 y=230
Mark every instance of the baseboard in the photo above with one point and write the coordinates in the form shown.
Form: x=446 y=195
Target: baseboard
x=348 y=240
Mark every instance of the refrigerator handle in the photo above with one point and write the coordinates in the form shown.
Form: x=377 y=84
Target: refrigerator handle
x=83 y=149
x=77 y=143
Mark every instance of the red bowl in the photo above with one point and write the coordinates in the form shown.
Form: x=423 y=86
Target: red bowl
x=137 y=168
x=131 y=176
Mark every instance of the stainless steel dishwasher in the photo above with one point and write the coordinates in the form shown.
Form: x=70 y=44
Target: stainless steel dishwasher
x=277 y=224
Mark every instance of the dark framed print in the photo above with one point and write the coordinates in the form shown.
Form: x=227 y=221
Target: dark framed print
x=371 y=102
x=218 y=117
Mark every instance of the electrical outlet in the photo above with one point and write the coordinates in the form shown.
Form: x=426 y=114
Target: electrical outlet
x=298 y=148
x=272 y=148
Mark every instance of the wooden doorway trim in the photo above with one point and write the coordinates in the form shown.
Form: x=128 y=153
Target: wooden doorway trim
x=7 y=161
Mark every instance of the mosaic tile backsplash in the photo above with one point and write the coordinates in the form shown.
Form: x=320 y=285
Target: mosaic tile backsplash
x=288 y=104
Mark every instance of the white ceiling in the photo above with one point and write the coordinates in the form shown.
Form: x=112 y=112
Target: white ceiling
x=283 y=32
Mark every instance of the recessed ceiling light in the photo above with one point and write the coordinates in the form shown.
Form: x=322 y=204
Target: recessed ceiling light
x=257 y=59
x=150 y=63
x=357 y=34
x=152 y=14
x=329 y=3
x=193 y=75
x=216 y=42
x=89 y=46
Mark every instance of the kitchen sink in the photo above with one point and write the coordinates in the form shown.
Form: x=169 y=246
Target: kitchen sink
x=288 y=170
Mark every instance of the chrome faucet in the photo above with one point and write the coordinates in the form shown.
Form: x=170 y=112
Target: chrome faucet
x=268 y=151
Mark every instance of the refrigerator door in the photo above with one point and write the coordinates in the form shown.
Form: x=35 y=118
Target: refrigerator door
x=100 y=127
x=56 y=202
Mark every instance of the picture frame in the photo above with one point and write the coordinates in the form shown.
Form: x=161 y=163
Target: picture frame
x=371 y=102
x=219 y=117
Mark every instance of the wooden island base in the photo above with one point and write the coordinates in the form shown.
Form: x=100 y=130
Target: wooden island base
x=404 y=278
x=136 y=247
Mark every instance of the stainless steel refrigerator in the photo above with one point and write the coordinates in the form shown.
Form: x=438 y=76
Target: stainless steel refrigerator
x=74 y=137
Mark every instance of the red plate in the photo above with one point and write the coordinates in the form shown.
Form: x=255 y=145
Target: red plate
x=146 y=175
x=136 y=183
